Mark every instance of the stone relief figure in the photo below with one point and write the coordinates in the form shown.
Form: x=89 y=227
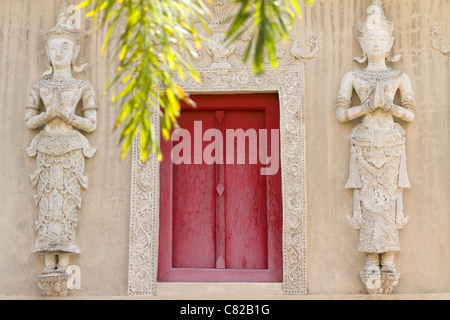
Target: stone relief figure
x=378 y=171
x=60 y=149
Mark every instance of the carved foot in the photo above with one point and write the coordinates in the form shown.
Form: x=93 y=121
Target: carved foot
x=372 y=269
x=49 y=270
x=372 y=263
x=54 y=269
x=388 y=269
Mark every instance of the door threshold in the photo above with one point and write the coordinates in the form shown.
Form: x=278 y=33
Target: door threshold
x=192 y=289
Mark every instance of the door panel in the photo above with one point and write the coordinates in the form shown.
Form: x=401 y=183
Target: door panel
x=245 y=200
x=194 y=204
x=221 y=222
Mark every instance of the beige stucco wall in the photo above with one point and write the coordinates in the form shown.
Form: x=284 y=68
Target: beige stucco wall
x=333 y=260
x=104 y=217
x=425 y=257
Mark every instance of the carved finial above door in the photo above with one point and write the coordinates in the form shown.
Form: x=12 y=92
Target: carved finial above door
x=219 y=21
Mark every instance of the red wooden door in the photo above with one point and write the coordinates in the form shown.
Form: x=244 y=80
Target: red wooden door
x=221 y=221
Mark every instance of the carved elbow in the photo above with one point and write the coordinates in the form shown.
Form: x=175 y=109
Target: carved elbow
x=341 y=115
x=31 y=124
x=410 y=115
x=409 y=106
x=92 y=126
x=342 y=120
x=27 y=120
x=91 y=129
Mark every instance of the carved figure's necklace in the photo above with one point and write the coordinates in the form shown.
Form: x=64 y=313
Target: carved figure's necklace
x=385 y=75
x=62 y=84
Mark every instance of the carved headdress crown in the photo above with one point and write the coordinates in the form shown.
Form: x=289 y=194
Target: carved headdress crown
x=376 y=20
x=64 y=27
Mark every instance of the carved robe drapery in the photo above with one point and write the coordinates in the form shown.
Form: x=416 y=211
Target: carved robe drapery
x=378 y=172
x=60 y=156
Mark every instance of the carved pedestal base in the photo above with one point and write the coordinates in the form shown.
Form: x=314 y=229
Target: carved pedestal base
x=380 y=283
x=54 y=284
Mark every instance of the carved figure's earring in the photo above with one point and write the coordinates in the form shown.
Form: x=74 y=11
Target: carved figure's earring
x=362 y=59
x=79 y=69
x=49 y=71
x=392 y=59
x=75 y=68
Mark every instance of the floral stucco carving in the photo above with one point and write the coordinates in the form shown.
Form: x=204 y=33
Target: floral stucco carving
x=437 y=42
x=220 y=50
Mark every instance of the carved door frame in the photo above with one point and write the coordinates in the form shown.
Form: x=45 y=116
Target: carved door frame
x=288 y=82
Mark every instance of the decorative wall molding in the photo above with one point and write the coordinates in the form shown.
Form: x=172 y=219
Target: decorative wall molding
x=144 y=222
x=222 y=78
x=288 y=82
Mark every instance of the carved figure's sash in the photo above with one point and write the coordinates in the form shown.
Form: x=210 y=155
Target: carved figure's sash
x=57 y=144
